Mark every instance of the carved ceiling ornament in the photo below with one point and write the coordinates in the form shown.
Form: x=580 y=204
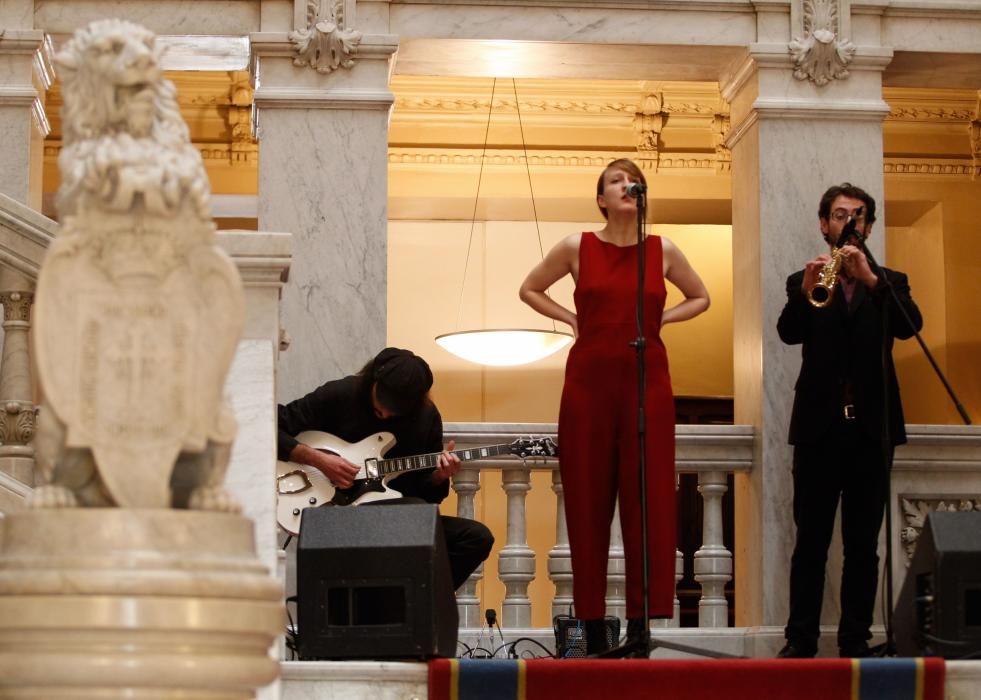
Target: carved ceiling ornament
x=325 y=44
x=648 y=124
x=915 y=512
x=820 y=53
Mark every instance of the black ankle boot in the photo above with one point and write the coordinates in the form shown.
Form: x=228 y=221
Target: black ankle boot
x=596 y=639
x=635 y=636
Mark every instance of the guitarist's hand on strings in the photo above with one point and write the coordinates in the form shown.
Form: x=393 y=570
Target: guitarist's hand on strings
x=340 y=472
x=447 y=464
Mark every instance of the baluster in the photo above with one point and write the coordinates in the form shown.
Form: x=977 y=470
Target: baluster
x=616 y=573
x=517 y=560
x=713 y=562
x=466 y=484
x=17 y=410
x=559 y=557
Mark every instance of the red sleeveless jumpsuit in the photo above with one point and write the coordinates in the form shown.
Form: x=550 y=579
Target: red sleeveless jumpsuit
x=598 y=430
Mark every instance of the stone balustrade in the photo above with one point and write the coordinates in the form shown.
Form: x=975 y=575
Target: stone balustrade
x=710 y=451
x=940 y=467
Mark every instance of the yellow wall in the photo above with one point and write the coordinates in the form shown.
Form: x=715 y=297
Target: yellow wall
x=934 y=235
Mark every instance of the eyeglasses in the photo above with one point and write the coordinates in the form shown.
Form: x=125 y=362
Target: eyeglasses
x=840 y=216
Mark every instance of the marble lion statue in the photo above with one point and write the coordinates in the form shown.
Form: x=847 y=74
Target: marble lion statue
x=138 y=313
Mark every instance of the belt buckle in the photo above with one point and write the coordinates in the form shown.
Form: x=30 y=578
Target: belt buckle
x=849 y=409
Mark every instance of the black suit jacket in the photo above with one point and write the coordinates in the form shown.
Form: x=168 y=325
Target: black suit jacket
x=844 y=349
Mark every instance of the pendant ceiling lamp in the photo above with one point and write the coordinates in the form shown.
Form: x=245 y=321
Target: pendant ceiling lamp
x=502 y=347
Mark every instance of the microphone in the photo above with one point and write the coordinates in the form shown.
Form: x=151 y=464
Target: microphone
x=635 y=189
x=491 y=616
x=849 y=229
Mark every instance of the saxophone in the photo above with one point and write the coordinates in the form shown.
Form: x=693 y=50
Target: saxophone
x=820 y=294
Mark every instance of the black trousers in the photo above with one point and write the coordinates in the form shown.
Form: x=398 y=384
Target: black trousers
x=468 y=543
x=849 y=467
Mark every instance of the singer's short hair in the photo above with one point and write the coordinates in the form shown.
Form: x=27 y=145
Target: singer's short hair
x=627 y=166
x=847 y=189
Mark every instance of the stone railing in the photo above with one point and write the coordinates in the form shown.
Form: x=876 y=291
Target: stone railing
x=710 y=451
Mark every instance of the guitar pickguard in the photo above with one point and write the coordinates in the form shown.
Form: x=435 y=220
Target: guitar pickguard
x=345 y=497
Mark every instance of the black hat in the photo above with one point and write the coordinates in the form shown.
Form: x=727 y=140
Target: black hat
x=402 y=379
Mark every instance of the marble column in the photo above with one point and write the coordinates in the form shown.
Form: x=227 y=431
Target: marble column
x=791 y=139
x=323 y=157
x=25 y=76
x=17 y=410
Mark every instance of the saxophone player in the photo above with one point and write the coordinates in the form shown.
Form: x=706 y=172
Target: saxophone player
x=847 y=418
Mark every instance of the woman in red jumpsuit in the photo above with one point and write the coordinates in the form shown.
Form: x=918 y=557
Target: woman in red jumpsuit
x=598 y=414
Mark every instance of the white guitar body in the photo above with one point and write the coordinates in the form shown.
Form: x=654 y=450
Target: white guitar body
x=301 y=486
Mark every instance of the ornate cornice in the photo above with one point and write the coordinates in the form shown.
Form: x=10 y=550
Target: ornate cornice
x=949 y=167
x=472 y=157
x=235 y=153
x=928 y=114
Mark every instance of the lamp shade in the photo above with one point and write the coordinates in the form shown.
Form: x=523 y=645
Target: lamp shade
x=504 y=347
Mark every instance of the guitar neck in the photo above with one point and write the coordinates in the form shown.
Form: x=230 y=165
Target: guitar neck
x=427 y=461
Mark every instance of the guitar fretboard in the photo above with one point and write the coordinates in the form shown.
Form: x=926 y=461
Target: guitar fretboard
x=403 y=464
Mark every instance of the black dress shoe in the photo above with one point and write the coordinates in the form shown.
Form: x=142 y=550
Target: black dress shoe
x=857 y=650
x=796 y=651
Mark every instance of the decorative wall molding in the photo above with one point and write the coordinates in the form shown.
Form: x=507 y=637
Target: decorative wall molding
x=821 y=53
x=553 y=106
x=933 y=167
x=471 y=158
x=213 y=154
x=929 y=114
x=915 y=510
x=974 y=133
x=326 y=43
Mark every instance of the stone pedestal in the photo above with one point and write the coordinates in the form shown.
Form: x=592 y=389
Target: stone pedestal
x=113 y=603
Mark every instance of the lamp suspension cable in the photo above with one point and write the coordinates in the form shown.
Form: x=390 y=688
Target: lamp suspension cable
x=501 y=346
x=531 y=189
x=476 y=200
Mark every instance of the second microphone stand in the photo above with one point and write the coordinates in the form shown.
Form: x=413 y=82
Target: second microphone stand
x=889 y=647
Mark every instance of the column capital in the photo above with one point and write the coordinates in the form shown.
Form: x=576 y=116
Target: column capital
x=27 y=55
x=283 y=78
x=762 y=85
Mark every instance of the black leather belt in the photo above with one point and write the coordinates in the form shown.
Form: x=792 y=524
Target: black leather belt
x=849 y=409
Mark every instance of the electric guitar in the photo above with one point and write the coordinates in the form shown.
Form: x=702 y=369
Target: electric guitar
x=300 y=486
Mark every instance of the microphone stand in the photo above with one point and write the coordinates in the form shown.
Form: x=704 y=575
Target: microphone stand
x=643 y=647
x=888 y=648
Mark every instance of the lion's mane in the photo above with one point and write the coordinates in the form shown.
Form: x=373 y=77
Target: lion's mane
x=102 y=161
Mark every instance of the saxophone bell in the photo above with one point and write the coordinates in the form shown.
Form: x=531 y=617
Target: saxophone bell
x=821 y=293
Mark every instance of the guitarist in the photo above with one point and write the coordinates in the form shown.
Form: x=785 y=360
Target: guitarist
x=390 y=393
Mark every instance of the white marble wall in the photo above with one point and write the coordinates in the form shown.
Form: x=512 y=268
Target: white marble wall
x=323 y=164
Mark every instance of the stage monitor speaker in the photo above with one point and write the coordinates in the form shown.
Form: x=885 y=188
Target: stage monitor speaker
x=938 y=612
x=373 y=582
